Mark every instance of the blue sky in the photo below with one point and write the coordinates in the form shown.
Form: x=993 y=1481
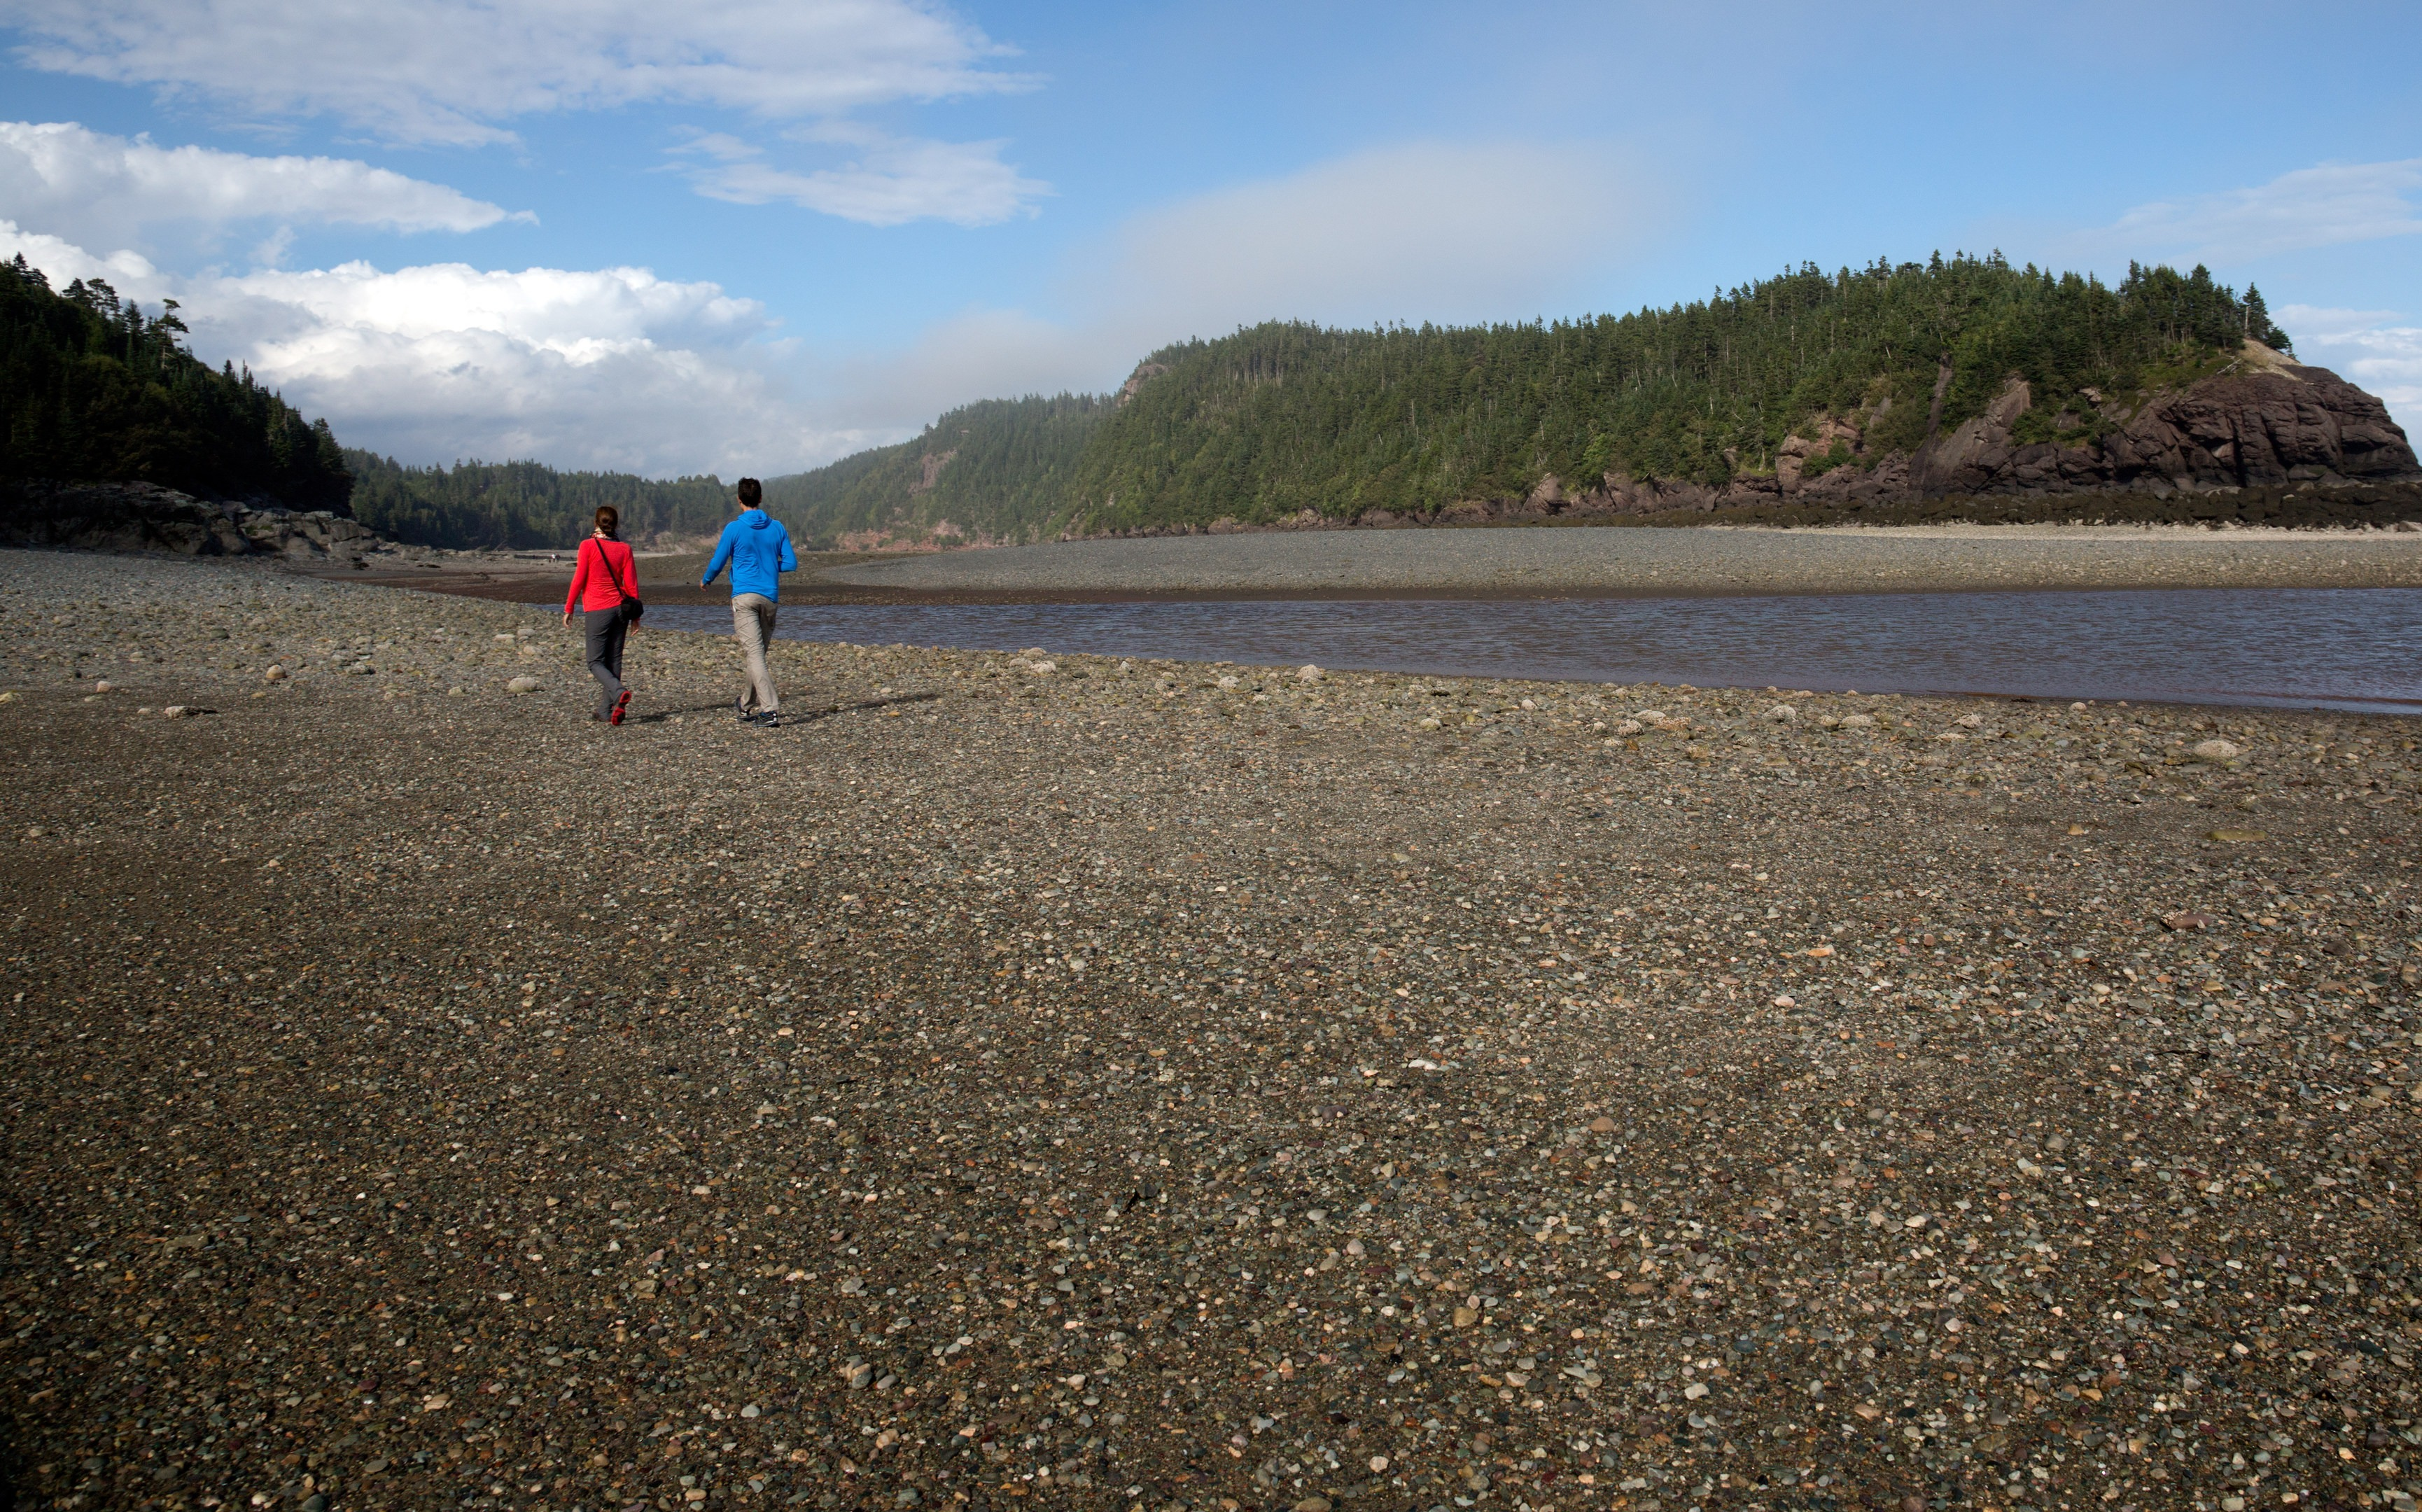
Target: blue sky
x=745 y=235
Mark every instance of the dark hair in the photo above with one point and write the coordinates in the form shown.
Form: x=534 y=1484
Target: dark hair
x=607 y=519
x=752 y=493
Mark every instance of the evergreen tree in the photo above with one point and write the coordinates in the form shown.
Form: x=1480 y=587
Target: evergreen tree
x=93 y=392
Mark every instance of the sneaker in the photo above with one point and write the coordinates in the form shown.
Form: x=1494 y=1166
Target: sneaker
x=620 y=705
x=766 y=721
x=741 y=711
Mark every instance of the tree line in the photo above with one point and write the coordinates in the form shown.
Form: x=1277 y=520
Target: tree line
x=93 y=390
x=525 y=505
x=1289 y=416
x=1000 y=469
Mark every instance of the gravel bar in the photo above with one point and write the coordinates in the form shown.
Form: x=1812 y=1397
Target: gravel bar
x=1034 y=1081
x=1620 y=561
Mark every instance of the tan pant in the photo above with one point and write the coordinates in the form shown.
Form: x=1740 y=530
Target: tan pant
x=752 y=622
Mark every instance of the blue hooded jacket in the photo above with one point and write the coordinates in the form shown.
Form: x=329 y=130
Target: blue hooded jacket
x=759 y=550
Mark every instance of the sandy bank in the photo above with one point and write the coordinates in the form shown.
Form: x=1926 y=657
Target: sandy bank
x=1621 y=562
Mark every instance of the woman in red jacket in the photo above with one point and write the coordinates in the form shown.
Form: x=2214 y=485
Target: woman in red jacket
x=604 y=577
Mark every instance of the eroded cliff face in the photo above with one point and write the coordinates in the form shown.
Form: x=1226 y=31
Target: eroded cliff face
x=134 y=516
x=2267 y=422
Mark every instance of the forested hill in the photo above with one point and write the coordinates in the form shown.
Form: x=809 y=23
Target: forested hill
x=1000 y=470
x=93 y=392
x=1287 y=417
x=527 y=504
x=1796 y=375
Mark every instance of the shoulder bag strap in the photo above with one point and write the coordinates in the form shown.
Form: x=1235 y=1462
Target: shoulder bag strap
x=605 y=566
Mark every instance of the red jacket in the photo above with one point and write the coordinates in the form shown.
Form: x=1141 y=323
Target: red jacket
x=605 y=570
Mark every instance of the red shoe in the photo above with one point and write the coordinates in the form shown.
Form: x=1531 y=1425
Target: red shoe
x=620 y=705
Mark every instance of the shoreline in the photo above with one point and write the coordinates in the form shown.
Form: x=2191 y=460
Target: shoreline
x=1525 y=564
x=1020 y=1078
x=1636 y=561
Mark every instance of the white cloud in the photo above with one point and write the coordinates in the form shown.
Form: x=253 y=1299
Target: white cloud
x=95 y=189
x=2324 y=206
x=890 y=180
x=2367 y=347
x=63 y=262
x=455 y=70
x=608 y=369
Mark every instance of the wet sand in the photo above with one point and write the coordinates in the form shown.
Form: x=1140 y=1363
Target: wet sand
x=1614 y=561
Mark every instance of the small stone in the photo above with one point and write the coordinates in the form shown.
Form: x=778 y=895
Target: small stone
x=173 y=711
x=2216 y=753
x=1968 y=721
x=2238 y=837
x=1313 y=1504
x=1466 y=1316
x=104 y=685
x=750 y=1412
x=1858 y=721
x=275 y=675
x=1354 y=1247
x=1601 y=1124
x=1783 y=713
x=1309 y=673
x=524 y=684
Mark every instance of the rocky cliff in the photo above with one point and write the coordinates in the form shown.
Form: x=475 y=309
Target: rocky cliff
x=2265 y=422
x=146 y=518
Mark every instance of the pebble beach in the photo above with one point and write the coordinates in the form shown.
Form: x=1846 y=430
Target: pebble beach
x=1042 y=1081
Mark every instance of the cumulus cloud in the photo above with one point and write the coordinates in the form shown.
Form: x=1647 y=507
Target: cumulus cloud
x=611 y=367
x=888 y=181
x=2324 y=206
x=455 y=70
x=95 y=189
x=2379 y=349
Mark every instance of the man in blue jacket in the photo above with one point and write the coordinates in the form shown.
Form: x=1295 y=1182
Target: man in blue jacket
x=759 y=550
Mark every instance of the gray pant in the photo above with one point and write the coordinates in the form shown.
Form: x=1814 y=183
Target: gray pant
x=752 y=624
x=607 y=631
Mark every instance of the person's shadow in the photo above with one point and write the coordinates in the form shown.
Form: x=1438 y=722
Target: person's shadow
x=792 y=714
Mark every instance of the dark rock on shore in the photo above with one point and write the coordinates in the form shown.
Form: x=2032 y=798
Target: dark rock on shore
x=2268 y=422
x=135 y=516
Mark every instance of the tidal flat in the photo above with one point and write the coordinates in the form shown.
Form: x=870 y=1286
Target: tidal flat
x=1048 y=1080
